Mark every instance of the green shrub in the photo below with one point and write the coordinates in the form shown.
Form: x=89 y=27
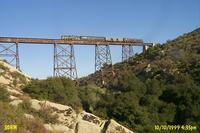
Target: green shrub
x=26 y=107
x=3 y=67
x=90 y=96
x=4 y=94
x=46 y=115
x=61 y=90
x=18 y=78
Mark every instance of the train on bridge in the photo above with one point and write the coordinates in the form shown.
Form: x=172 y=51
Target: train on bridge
x=96 y=38
x=64 y=58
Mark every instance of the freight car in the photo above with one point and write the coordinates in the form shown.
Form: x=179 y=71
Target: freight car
x=92 y=38
x=70 y=38
x=114 y=39
x=132 y=40
x=77 y=38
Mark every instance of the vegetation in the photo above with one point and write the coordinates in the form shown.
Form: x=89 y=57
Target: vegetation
x=61 y=90
x=90 y=96
x=2 y=67
x=10 y=115
x=45 y=114
x=4 y=95
x=18 y=78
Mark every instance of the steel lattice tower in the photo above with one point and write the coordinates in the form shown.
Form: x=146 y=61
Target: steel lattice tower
x=127 y=52
x=103 y=62
x=10 y=53
x=102 y=56
x=64 y=61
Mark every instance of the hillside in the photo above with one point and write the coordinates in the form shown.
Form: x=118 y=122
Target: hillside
x=172 y=57
x=160 y=86
x=43 y=115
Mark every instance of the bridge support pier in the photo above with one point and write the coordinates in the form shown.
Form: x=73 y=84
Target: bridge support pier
x=127 y=52
x=64 y=61
x=103 y=62
x=10 y=53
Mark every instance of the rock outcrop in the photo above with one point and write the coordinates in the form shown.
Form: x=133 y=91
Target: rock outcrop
x=69 y=121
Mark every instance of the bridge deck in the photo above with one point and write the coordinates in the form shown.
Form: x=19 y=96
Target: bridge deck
x=60 y=41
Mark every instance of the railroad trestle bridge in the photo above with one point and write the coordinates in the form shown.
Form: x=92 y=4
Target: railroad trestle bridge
x=64 y=57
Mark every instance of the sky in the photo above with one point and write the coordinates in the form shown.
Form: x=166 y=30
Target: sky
x=151 y=20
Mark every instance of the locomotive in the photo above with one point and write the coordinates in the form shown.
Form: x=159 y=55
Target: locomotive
x=96 y=38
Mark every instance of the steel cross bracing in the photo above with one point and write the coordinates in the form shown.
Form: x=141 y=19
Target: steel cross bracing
x=127 y=52
x=103 y=62
x=64 y=61
x=102 y=56
x=10 y=53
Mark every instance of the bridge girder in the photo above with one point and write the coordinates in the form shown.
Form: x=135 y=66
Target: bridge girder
x=64 y=61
